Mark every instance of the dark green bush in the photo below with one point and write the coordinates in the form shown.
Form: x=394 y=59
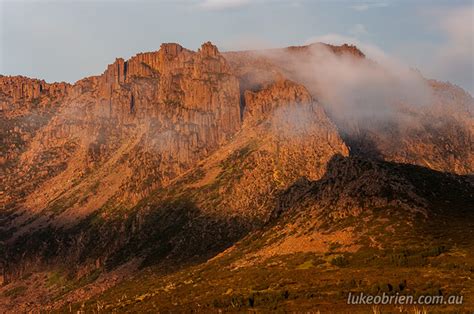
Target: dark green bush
x=340 y=261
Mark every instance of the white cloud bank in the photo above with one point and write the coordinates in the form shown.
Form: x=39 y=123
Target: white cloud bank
x=364 y=6
x=455 y=58
x=354 y=89
x=223 y=4
x=220 y=5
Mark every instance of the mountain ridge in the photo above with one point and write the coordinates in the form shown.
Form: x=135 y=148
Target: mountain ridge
x=174 y=160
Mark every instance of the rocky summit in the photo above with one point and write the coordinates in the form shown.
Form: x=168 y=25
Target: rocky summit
x=263 y=180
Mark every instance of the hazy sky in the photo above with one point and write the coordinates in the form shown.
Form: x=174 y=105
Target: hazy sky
x=67 y=40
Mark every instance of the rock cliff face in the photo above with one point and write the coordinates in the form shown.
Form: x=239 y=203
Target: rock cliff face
x=343 y=50
x=16 y=90
x=26 y=105
x=286 y=135
x=130 y=130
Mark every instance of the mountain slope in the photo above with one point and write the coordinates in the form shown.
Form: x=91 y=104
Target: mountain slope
x=365 y=226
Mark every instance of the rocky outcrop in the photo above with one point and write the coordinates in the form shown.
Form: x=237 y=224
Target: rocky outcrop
x=286 y=135
x=196 y=82
x=342 y=50
x=150 y=118
x=26 y=105
x=259 y=105
x=20 y=89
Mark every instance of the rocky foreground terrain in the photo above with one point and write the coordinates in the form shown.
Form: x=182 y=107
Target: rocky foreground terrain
x=281 y=179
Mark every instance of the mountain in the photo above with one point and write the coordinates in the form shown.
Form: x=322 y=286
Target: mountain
x=274 y=179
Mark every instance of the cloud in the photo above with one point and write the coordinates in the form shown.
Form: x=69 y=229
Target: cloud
x=458 y=26
x=223 y=4
x=358 y=30
x=364 y=6
x=370 y=50
x=219 y=5
x=245 y=42
x=355 y=90
x=455 y=58
x=450 y=58
x=450 y=55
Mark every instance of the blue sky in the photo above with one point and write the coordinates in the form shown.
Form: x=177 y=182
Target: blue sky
x=67 y=40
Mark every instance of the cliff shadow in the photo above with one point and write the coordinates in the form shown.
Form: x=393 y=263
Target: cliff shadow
x=433 y=206
x=172 y=233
